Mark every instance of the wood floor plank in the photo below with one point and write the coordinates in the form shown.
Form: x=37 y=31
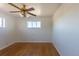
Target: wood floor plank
x=30 y=49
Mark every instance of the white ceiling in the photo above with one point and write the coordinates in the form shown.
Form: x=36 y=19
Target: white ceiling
x=41 y=9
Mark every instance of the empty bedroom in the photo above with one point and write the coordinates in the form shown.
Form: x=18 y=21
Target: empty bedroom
x=26 y=29
x=39 y=29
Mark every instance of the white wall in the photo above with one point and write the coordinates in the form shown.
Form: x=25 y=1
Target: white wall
x=43 y=34
x=16 y=30
x=7 y=33
x=66 y=29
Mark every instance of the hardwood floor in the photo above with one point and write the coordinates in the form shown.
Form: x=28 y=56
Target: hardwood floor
x=30 y=49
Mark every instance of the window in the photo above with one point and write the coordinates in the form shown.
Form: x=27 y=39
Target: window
x=2 y=22
x=33 y=24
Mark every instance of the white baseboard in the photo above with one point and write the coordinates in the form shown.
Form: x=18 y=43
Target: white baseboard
x=6 y=45
x=24 y=42
x=34 y=41
x=57 y=49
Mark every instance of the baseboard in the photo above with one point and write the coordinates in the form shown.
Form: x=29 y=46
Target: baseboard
x=23 y=42
x=33 y=42
x=57 y=49
x=6 y=46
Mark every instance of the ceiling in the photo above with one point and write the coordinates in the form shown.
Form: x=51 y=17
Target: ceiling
x=41 y=9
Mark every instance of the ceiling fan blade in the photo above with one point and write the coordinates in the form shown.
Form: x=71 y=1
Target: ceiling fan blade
x=14 y=6
x=14 y=11
x=31 y=13
x=30 y=9
x=24 y=6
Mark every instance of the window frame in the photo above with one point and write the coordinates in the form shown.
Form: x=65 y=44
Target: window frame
x=33 y=24
x=2 y=25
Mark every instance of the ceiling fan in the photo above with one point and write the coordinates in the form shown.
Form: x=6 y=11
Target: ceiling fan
x=23 y=11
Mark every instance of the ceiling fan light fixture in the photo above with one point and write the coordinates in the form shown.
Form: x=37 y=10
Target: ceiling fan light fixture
x=27 y=15
x=22 y=11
